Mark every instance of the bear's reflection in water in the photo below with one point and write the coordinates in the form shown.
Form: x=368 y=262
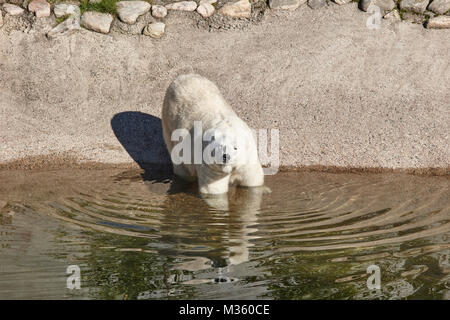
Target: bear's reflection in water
x=211 y=231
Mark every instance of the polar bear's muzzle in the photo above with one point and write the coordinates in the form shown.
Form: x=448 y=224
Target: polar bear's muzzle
x=225 y=163
x=226 y=158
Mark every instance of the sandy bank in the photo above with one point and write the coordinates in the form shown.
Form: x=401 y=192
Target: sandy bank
x=341 y=95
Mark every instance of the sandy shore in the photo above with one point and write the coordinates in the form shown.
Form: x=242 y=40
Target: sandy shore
x=342 y=96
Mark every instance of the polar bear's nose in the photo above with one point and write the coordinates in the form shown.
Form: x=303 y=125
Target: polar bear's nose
x=226 y=158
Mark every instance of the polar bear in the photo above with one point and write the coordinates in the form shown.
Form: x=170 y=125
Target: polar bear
x=226 y=145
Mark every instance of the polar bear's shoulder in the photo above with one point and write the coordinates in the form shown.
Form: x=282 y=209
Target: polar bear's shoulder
x=193 y=89
x=193 y=85
x=193 y=80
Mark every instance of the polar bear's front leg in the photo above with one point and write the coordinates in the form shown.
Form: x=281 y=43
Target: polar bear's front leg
x=210 y=182
x=251 y=175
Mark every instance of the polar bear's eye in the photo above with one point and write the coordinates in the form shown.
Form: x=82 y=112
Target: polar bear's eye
x=235 y=148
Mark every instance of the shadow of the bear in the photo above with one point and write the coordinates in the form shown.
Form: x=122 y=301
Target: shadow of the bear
x=141 y=136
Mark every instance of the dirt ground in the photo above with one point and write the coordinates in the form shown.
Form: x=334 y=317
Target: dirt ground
x=340 y=94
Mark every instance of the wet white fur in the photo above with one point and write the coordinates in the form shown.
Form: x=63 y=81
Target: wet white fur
x=190 y=98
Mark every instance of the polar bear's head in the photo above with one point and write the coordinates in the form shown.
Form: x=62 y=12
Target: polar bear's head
x=227 y=146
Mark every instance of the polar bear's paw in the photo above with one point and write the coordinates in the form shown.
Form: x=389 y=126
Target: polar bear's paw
x=210 y=185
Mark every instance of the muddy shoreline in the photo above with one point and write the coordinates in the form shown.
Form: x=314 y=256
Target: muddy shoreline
x=55 y=162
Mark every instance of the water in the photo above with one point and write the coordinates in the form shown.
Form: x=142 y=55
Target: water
x=140 y=236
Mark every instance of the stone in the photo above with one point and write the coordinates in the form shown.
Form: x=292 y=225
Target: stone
x=414 y=17
x=1 y=19
x=316 y=4
x=17 y=2
x=439 y=6
x=64 y=9
x=439 y=22
x=384 y=5
x=129 y=11
x=155 y=30
x=159 y=11
x=393 y=16
x=211 y=2
x=417 y=6
x=41 y=8
x=239 y=9
x=182 y=6
x=342 y=2
x=96 y=21
x=12 y=9
x=206 y=10
x=65 y=28
x=286 y=4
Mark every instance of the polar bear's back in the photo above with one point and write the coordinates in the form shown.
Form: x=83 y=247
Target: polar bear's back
x=190 y=97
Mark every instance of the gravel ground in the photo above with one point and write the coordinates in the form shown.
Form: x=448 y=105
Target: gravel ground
x=340 y=94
